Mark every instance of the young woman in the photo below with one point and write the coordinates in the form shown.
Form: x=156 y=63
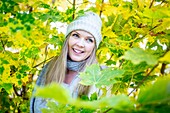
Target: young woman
x=79 y=50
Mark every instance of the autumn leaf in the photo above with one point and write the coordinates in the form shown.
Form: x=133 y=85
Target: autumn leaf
x=165 y=58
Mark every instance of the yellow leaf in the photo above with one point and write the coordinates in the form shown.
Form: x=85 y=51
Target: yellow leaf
x=14 y=80
x=109 y=10
x=25 y=79
x=4 y=30
x=108 y=32
x=165 y=58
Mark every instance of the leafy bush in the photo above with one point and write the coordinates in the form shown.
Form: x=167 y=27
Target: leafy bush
x=135 y=47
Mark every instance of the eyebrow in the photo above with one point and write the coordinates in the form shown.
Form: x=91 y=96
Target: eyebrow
x=80 y=34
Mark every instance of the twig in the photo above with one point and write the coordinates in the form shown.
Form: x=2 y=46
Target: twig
x=162 y=1
x=155 y=26
x=74 y=5
x=82 y=3
x=3 y=44
x=23 y=92
x=140 y=83
x=34 y=60
x=121 y=63
x=46 y=52
x=78 y=3
x=15 y=90
x=101 y=10
x=111 y=57
x=163 y=68
x=151 y=4
x=53 y=1
x=137 y=3
x=147 y=75
x=69 y=2
x=107 y=110
x=42 y=62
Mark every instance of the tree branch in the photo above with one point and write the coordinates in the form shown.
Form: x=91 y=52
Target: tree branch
x=137 y=3
x=140 y=83
x=101 y=10
x=163 y=68
x=107 y=110
x=82 y=3
x=46 y=53
x=78 y=3
x=15 y=90
x=155 y=26
x=162 y=1
x=23 y=92
x=42 y=62
x=151 y=4
x=53 y=1
x=3 y=44
x=74 y=8
x=69 y=2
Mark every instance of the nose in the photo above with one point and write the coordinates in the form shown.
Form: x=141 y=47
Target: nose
x=80 y=43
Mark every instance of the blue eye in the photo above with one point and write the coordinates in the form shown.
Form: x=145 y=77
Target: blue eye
x=90 y=40
x=75 y=35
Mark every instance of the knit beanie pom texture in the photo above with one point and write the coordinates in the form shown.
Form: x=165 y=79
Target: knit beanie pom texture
x=89 y=22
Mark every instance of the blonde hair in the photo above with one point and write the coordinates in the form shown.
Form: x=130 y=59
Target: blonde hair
x=57 y=68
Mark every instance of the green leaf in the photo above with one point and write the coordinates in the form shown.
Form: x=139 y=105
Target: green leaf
x=93 y=96
x=157 y=92
x=156 y=14
x=3 y=61
x=54 y=108
x=24 y=68
x=91 y=75
x=18 y=76
x=110 y=62
x=1 y=69
x=117 y=101
x=94 y=76
x=32 y=52
x=9 y=43
x=54 y=91
x=7 y=86
x=138 y=55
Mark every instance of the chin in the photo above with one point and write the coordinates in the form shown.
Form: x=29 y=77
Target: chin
x=76 y=59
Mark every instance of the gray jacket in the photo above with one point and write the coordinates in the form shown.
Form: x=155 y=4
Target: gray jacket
x=37 y=103
x=39 y=82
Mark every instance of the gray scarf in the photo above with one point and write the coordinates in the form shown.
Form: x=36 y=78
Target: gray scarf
x=75 y=66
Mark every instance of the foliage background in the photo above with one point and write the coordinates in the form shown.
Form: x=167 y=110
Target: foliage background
x=136 y=42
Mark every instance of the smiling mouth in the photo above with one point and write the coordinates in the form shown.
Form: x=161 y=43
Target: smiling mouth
x=77 y=51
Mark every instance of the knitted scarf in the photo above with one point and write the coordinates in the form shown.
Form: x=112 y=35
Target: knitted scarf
x=75 y=66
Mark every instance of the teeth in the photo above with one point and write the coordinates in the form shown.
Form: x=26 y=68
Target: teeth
x=77 y=51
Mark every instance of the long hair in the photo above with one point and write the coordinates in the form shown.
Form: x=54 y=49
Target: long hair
x=57 y=68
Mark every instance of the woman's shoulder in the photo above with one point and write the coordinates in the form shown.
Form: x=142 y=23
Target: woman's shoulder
x=41 y=77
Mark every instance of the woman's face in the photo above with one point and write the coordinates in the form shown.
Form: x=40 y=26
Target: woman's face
x=80 y=45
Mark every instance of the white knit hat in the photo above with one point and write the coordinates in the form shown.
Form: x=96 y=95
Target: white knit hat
x=89 y=22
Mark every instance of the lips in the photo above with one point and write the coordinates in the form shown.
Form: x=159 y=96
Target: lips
x=78 y=51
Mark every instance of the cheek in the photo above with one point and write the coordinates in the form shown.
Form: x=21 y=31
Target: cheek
x=71 y=42
x=90 y=48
